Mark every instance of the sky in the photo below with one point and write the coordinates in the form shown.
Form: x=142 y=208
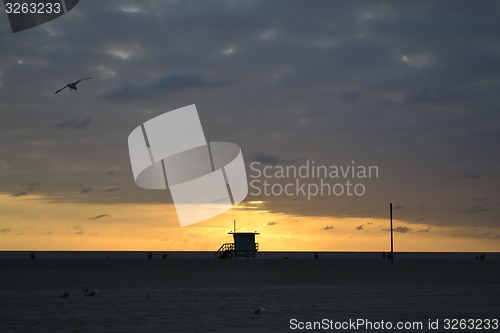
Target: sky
x=408 y=87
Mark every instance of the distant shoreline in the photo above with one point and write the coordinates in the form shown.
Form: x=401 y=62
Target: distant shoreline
x=28 y=254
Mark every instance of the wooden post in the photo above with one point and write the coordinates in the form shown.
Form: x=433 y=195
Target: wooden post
x=392 y=238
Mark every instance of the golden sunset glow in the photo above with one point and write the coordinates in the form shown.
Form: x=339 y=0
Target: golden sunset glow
x=35 y=223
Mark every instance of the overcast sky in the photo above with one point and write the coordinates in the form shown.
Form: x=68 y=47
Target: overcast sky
x=409 y=86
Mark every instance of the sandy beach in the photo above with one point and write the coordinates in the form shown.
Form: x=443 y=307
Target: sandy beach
x=218 y=295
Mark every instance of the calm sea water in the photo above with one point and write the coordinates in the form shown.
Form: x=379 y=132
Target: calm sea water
x=260 y=255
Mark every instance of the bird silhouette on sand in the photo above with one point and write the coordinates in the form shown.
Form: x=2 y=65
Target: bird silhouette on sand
x=72 y=86
x=259 y=311
x=91 y=292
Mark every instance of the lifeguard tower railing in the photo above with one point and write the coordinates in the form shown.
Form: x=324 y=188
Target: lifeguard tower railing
x=228 y=250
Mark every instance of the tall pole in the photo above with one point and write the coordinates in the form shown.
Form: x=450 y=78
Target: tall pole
x=392 y=238
x=234 y=225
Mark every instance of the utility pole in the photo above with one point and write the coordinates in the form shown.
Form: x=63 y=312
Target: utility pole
x=392 y=238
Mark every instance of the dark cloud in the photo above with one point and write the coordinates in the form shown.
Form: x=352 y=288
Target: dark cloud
x=112 y=188
x=360 y=227
x=480 y=199
x=266 y=158
x=4 y=230
x=272 y=223
x=349 y=95
x=272 y=159
x=428 y=95
x=328 y=227
x=99 y=216
x=164 y=85
x=78 y=230
x=72 y=184
x=19 y=194
x=113 y=171
x=30 y=186
x=402 y=230
x=478 y=209
x=74 y=124
x=86 y=189
x=469 y=175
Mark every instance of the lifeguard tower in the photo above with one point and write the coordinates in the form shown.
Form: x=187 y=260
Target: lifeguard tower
x=244 y=246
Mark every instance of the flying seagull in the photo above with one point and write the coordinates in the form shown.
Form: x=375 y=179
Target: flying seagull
x=259 y=311
x=72 y=86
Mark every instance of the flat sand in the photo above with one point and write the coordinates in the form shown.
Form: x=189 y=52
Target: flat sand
x=218 y=295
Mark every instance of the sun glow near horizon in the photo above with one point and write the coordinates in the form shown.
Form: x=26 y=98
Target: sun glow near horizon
x=49 y=225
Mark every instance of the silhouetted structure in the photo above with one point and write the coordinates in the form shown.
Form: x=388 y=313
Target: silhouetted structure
x=391 y=256
x=244 y=246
